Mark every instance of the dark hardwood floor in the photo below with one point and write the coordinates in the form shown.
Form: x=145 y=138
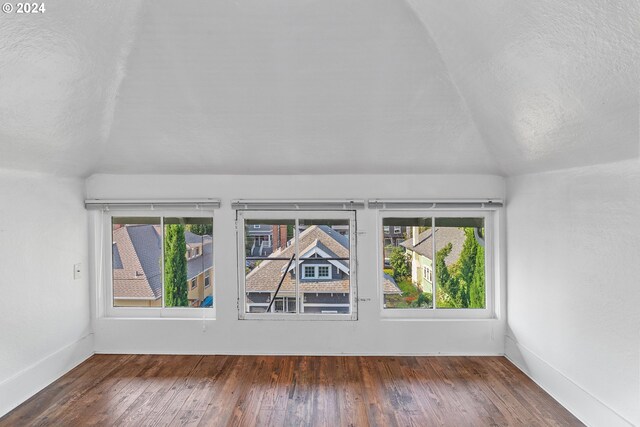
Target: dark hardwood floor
x=151 y=390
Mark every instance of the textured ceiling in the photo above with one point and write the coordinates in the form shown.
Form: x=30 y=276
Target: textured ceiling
x=319 y=86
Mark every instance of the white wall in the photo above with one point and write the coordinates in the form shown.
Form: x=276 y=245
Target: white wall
x=574 y=287
x=226 y=334
x=44 y=312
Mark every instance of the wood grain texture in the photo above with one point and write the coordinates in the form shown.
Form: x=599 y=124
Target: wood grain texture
x=154 y=390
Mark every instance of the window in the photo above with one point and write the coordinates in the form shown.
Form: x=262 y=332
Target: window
x=426 y=273
x=316 y=271
x=207 y=279
x=309 y=272
x=397 y=230
x=324 y=272
x=305 y=275
x=386 y=229
x=154 y=262
x=441 y=266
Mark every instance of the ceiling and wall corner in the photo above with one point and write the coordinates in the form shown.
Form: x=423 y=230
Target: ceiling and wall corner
x=319 y=87
x=551 y=84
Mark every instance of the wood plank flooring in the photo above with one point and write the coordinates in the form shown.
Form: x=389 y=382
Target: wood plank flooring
x=152 y=390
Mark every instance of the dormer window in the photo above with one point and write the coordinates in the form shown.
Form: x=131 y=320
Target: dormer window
x=309 y=272
x=316 y=272
x=324 y=272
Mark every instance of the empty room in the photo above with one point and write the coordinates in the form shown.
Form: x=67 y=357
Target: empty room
x=320 y=213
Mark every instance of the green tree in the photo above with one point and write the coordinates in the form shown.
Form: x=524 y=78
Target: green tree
x=476 y=289
x=400 y=262
x=448 y=284
x=461 y=284
x=201 y=229
x=175 y=266
x=468 y=256
x=465 y=267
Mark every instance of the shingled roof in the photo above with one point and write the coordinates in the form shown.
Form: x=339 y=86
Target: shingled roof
x=266 y=276
x=444 y=235
x=137 y=265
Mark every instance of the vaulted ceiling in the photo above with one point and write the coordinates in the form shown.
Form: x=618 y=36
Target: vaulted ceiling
x=319 y=86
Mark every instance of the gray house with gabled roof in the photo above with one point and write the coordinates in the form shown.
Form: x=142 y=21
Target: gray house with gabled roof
x=137 y=266
x=323 y=273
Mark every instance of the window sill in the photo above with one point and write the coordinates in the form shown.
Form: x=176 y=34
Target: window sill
x=156 y=318
x=436 y=314
x=415 y=318
x=298 y=317
x=187 y=313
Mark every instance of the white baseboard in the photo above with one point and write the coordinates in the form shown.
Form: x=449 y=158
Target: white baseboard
x=29 y=381
x=297 y=353
x=586 y=407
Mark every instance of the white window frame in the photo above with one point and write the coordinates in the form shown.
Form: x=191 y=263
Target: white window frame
x=147 y=312
x=207 y=275
x=316 y=271
x=444 y=313
x=243 y=215
x=328 y=267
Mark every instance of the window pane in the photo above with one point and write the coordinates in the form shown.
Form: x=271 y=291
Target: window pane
x=137 y=262
x=407 y=263
x=263 y=237
x=188 y=262
x=269 y=246
x=460 y=263
x=324 y=261
x=261 y=284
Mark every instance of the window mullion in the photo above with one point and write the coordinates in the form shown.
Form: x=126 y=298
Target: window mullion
x=433 y=263
x=296 y=242
x=162 y=263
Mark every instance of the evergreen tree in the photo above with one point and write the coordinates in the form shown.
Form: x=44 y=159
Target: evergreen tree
x=175 y=266
x=468 y=256
x=477 y=287
x=400 y=263
x=466 y=266
x=447 y=284
x=461 y=285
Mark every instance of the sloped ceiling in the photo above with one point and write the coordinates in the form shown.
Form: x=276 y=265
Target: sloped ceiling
x=550 y=83
x=319 y=86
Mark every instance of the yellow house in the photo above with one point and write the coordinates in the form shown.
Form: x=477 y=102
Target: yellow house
x=420 y=248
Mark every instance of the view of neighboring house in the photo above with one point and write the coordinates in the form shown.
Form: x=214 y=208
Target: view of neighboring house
x=393 y=235
x=263 y=239
x=137 y=266
x=420 y=248
x=323 y=273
